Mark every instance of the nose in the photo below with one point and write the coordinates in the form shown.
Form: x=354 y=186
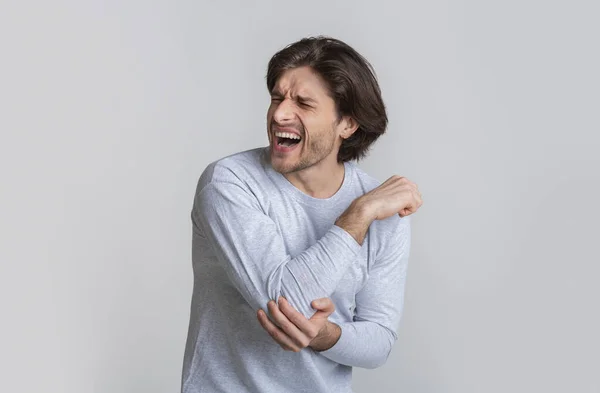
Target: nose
x=284 y=112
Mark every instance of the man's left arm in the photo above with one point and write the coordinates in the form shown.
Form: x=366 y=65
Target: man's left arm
x=366 y=341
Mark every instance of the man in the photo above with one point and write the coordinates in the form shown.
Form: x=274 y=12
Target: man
x=299 y=231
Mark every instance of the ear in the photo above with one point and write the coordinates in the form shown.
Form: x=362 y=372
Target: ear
x=349 y=127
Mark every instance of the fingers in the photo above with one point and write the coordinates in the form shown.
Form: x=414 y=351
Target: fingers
x=290 y=328
x=417 y=198
x=407 y=211
x=297 y=318
x=276 y=333
x=297 y=335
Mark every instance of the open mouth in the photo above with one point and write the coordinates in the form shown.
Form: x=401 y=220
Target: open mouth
x=287 y=139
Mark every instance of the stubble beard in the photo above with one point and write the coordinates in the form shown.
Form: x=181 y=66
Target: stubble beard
x=318 y=150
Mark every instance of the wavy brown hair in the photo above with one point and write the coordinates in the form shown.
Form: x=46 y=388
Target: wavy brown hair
x=351 y=82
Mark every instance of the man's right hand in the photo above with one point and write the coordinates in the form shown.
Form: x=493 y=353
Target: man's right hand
x=397 y=195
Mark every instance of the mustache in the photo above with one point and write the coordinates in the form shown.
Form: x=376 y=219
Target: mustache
x=296 y=127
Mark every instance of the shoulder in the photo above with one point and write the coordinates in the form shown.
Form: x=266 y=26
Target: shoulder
x=392 y=236
x=240 y=169
x=232 y=182
x=394 y=228
x=362 y=179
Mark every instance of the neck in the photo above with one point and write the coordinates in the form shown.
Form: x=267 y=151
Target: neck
x=321 y=180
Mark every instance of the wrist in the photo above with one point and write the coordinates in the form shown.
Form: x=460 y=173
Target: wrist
x=356 y=219
x=327 y=337
x=362 y=210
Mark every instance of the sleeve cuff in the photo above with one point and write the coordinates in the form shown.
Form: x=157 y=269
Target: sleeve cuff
x=341 y=352
x=346 y=238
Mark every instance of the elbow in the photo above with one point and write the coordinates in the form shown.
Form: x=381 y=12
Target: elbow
x=381 y=356
x=282 y=283
x=377 y=361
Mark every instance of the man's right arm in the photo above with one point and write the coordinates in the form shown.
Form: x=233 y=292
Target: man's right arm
x=250 y=248
x=356 y=220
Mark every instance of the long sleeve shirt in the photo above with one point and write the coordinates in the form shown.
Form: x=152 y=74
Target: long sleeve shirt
x=257 y=237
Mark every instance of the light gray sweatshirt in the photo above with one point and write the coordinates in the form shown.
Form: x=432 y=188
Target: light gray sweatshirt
x=256 y=237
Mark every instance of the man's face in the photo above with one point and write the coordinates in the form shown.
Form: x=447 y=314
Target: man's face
x=302 y=122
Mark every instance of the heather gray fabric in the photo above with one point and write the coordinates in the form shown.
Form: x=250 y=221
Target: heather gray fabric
x=255 y=237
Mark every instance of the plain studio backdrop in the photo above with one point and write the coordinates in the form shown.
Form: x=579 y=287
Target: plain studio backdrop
x=110 y=110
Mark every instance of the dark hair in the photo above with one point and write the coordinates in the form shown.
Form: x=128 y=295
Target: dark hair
x=352 y=85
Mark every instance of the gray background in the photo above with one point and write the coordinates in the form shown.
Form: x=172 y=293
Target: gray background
x=110 y=110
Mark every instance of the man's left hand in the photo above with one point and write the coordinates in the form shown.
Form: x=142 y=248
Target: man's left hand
x=293 y=331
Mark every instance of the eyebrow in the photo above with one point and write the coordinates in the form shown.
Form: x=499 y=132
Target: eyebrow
x=276 y=92
x=306 y=99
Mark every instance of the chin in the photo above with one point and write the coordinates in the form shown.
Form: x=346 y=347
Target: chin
x=283 y=169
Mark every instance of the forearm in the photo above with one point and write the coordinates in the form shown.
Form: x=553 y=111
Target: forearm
x=362 y=344
x=367 y=341
x=316 y=272
x=248 y=245
x=356 y=220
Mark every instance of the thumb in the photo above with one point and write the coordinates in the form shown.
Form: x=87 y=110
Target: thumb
x=324 y=307
x=407 y=211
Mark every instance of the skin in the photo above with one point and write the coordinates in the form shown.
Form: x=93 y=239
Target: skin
x=300 y=102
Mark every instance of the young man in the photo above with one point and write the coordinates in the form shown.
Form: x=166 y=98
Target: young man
x=298 y=231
